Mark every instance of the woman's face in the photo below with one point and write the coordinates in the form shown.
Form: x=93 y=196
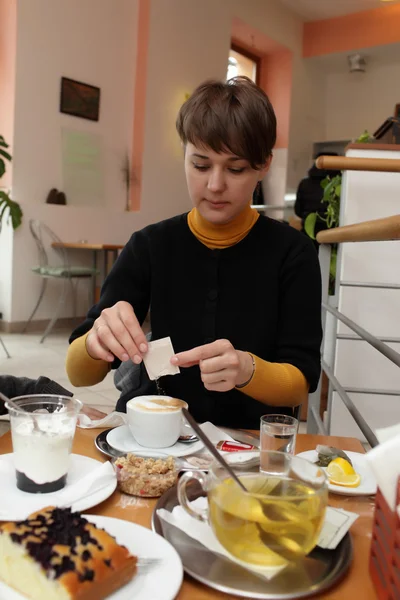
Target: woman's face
x=220 y=185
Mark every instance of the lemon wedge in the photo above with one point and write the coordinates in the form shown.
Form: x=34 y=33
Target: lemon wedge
x=340 y=472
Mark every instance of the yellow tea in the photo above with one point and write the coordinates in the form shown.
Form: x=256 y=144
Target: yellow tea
x=277 y=518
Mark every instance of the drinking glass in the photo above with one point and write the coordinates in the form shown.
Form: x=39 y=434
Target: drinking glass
x=42 y=431
x=278 y=432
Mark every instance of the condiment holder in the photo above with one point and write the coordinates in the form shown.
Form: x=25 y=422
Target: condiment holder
x=384 y=562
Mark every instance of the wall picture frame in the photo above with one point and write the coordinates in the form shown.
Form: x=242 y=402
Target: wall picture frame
x=397 y=111
x=79 y=99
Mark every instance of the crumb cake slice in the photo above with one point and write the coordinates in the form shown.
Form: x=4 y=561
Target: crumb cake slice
x=56 y=554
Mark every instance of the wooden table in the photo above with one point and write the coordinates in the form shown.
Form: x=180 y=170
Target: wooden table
x=107 y=250
x=356 y=585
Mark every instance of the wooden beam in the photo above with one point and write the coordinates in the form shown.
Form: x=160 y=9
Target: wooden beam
x=378 y=230
x=347 y=163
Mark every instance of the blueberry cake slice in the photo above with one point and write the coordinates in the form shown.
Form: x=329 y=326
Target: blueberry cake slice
x=56 y=554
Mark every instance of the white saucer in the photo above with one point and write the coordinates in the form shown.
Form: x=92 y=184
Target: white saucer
x=161 y=582
x=24 y=503
x=121 y=439
x=368 y=484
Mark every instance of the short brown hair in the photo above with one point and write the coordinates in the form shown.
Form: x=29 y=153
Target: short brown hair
x=235 y=116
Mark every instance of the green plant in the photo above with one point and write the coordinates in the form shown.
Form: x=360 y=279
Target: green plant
x=9 y=209
x=332 y=190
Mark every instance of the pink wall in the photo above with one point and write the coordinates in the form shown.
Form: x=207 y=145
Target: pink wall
x=375 y=27
x=276 y=80
x=8 y=37
x=276 y=70
x=143 y=28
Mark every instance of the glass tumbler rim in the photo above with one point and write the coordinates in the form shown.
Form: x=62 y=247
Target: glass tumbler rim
x=31 y=399
x=292 y=420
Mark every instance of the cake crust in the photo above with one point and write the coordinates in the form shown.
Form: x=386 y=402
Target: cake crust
x=86 y=561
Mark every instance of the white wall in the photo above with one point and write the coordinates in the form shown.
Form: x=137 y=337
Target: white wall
x=8 y=25
x=177 y=66
x=358 y=101
x=307 y=118
x=95 y=42
x=368 y=195
x=179 y=59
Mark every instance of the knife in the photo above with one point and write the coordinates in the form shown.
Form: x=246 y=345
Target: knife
x=242 y=436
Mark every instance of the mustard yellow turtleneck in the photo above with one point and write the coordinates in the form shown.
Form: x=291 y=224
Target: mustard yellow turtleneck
x=222 y=236
x=276 y=384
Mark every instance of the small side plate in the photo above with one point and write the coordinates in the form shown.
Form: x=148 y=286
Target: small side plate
x=104 y=447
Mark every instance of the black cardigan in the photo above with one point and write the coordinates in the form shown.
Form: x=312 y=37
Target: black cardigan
x=262 y=294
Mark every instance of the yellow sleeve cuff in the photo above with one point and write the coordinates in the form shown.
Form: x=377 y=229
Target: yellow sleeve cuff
x=82 y=369
x=277 y=384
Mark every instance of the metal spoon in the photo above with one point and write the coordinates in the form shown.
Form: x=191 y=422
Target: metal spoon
x=16 y=407
x=210 y=446
x=188 y=439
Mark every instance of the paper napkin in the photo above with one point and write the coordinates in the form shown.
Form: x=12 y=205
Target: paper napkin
x=113 y=419
x=384 y=461
x=202 y=532
x=336 y=525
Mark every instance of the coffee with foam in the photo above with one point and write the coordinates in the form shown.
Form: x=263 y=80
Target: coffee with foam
x=155 y=421
x=158 y=405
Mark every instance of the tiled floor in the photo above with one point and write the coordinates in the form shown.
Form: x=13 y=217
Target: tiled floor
x=29 y=358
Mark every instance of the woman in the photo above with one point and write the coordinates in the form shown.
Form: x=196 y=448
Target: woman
x=239 y=294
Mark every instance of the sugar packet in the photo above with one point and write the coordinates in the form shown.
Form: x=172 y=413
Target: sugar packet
x=157 y=359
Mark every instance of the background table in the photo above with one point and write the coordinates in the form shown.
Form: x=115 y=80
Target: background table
x=107 y=250
x=356 y=585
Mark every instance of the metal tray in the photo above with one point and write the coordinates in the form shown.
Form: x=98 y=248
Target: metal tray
x=320 y=570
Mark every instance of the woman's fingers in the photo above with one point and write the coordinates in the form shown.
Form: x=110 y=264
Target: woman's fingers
x=95 y=348
x=132 y=326
x=117 y=331
x=109 y=340
x=218 y=362
x=221 y=386
x=201 y=353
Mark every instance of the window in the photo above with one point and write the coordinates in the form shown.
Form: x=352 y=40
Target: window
x=241 y=62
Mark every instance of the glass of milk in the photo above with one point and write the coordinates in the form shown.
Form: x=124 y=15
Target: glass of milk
x=42 y=430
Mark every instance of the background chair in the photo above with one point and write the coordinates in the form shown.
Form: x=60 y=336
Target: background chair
x=70 y=275
x=4 y=347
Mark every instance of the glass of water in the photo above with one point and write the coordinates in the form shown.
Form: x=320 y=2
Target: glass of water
x=278 y=433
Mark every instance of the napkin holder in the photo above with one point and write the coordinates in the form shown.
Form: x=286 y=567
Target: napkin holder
x=384 y=562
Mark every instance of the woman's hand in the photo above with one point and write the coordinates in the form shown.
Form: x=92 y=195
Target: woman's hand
x=117 y=332
x=221 y=366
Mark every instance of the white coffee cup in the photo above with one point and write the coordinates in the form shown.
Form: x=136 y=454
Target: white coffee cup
x=155 y=421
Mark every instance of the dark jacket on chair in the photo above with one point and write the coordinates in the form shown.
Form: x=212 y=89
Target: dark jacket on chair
x=12 y=387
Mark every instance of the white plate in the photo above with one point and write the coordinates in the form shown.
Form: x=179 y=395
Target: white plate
x=162 y=582
x=367 y=486
x=121 y=439
x=79 y=467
